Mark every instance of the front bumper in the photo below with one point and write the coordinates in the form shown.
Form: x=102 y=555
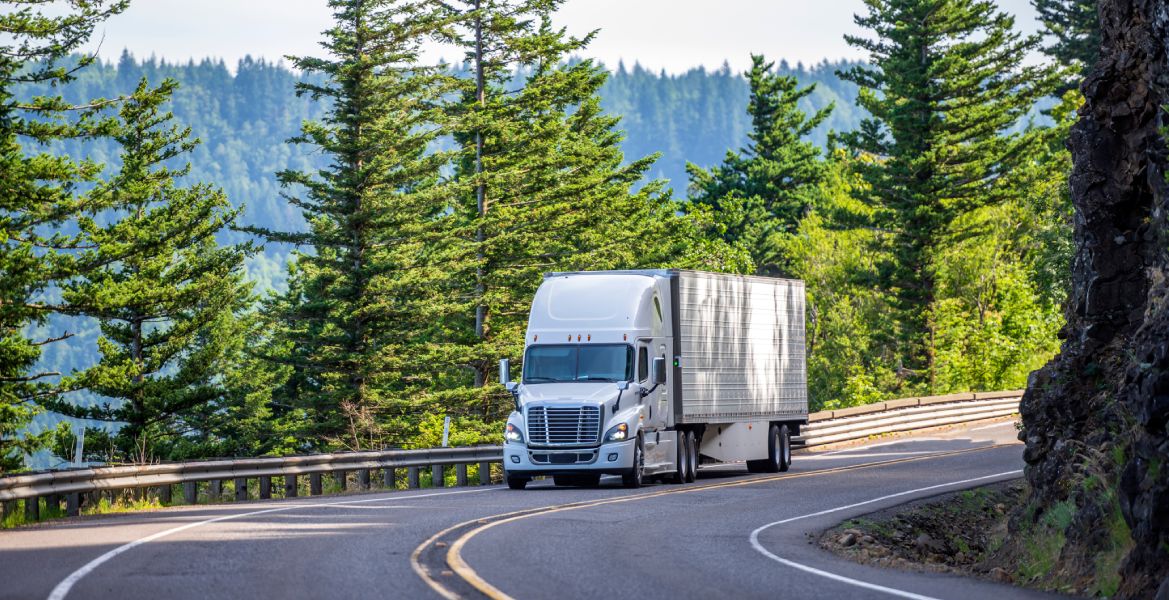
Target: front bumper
x=613 y=458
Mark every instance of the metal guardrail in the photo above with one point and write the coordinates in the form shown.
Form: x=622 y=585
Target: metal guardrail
x=80 y=486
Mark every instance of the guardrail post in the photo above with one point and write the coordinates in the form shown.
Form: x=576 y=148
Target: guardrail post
x=412 y=477
x=290 y=490
x=389 y=478
x=190 y=492
x=460 y=474
x=241 y=489
x=342 y=478
x=32 y=509
x=6 y=508
x=363 y=479
x=52 y=503
x=164 y=494
x=73 y=504
x=314 y=484
x=437 y=476
x=484 y=473
x=265 y=487
x=215 y=489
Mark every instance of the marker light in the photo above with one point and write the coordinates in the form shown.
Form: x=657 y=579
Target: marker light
x=589 y=338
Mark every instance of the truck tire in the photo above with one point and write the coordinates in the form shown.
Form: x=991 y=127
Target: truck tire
x=517 y=483
x=635 y=478
x=785 y=454
x=692 y=461
x=681 y=459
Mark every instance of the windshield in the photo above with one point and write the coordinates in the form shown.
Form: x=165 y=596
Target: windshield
x=601 y=362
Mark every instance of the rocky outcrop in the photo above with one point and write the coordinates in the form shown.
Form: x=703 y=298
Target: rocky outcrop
x=1099 y=409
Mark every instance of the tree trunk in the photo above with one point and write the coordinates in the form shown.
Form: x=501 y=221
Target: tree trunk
x=1106 y=396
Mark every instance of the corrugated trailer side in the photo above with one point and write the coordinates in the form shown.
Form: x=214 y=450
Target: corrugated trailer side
x=740 y=348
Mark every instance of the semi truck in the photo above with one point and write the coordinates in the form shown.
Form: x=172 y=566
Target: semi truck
x=646 y=374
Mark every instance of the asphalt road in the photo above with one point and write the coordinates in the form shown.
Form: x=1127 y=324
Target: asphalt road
x=729 y=534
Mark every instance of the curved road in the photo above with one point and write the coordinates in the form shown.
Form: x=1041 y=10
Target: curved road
x=728 y=534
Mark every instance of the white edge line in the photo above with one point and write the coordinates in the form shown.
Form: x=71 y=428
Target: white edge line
x=848 y=580
x=1003 y=424
x=67 y=584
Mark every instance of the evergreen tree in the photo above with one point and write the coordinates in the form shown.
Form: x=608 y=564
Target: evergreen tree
x=37 y=191
x=542 y=185
x=1075 y=25
x=359 y=296
x=946 y=83
x=165 y=293
x=762 y=191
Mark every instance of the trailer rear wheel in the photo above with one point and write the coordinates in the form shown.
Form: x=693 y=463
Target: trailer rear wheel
x=692 y=459
x=785 y=454
x=635 y=478
x=775 y=454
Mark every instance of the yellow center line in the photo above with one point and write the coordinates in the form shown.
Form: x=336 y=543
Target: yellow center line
x=464 y=571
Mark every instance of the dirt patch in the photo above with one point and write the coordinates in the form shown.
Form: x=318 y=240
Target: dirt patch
x=954 y=533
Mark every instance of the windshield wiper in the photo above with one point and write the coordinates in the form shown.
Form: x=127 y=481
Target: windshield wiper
x=595 y=378
x=535 y=379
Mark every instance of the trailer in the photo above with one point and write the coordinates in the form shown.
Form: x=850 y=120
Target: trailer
x=647 y=374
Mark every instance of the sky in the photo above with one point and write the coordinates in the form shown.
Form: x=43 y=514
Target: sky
x=674 y=35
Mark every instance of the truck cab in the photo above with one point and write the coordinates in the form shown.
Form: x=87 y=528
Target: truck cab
x=594 y=384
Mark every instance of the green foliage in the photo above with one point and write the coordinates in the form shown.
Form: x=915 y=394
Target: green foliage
x=165 y=293
x=761 y=192
x=944 y=85
x=37 y=193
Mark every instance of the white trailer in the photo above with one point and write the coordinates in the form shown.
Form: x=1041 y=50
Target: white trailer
x=648 y=373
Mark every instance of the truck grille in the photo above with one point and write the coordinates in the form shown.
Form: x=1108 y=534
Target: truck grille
x=557 y=426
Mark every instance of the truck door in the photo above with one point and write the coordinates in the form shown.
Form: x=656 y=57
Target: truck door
x=656 y=408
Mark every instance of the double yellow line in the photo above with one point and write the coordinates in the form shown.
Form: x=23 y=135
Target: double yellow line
x=460 y=568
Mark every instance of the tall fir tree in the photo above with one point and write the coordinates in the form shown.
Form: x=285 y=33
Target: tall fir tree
x=1075 y=27
x=361 y=285
x=761 y=192
x=945 y=82
x=542 y=185
x=37 y=191
x=152 y=274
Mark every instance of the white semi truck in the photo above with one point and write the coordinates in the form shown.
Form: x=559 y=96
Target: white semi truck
x=645 y=374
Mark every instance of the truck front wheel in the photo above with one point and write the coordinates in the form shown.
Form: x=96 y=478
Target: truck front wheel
x=634 y=478
x=517 y=483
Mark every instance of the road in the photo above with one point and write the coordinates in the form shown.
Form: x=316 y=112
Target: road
x=729 y=534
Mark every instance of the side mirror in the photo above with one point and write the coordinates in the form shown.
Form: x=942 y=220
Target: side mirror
x=622 y=385
x=659 y=371
x=504 y=371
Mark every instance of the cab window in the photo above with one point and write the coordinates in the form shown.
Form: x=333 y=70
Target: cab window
x=642 y=364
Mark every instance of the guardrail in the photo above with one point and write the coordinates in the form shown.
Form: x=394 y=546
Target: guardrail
x=78 y=487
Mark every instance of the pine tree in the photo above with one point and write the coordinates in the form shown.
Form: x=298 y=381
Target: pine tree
x=1075 y=25
x=946 y=82
x=542 y=185
x=361 y=283
x=164 y=292
x=762 y=191
x=37 y=192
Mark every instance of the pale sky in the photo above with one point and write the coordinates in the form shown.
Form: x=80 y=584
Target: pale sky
x=674 y=35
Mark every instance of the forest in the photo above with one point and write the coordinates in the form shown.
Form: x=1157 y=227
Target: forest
x=335 y=253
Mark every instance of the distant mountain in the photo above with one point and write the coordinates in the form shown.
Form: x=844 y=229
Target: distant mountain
x=699 y=115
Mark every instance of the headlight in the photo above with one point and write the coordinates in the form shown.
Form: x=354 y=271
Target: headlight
x=617 y=433
x=513 y=434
